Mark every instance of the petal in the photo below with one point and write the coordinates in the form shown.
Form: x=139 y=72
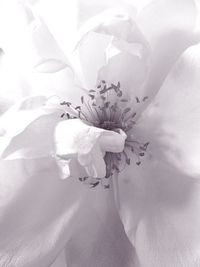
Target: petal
x=32 y=57
x=26 y=39
x=17 y=130
x=169 y=27
x=108 y=245
x=50 y=65
x=92 y=57
x=113 y=142
x=130 y=80
x=61 y=18
x=160 y=199
x=11 y=89
x=160 y=211
x=63 y=84
x=32 y=239
x=60 y=261
x=87 y=144
x=105 y=51
x=4 y=105
x=40 y=214
x=176 y=113
x=88 y=9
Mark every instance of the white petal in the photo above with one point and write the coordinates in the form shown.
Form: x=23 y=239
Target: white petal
x=61 y=18
x=176 y=114
x=50 y=65
x=23 y=112
x=112 y=141
x=160 y=211
x=11 y=89
x=160 y=199
x=129 y=70
x=108 y=246
x=40 y=214
x=26 y=38
x=63 y=84
x=75 y=139
x=105 y=48
x=27 y=43
x=21 y=125
x=169 y=27
x=92 y=57
x=88 y=9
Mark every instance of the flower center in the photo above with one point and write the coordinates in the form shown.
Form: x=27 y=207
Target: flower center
x=106 y=108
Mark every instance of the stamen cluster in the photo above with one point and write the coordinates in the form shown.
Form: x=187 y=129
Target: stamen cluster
x=105 y=107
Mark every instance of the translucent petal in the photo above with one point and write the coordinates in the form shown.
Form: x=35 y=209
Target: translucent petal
x=92 y=57
x=131 y=80
x=61 y=18
x=50 y=66
x=75 y=139
x=31 y=56
x=26 y=38
x=105 y=51
x=88 y=9
x=160 y=211
x=11 y=89
x=160 y=198
x=169 y=27
x=108 y=246
x=19 y=119
x=176 y=113
x=50 y=213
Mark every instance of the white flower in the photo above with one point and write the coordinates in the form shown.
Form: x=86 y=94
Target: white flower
x=41 y=214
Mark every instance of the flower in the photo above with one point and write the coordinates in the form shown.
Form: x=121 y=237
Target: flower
x=159 y=200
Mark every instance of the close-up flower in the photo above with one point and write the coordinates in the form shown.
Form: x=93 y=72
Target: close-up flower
x=99 y=133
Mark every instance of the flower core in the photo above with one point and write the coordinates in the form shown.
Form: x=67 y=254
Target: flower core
x=105 y=107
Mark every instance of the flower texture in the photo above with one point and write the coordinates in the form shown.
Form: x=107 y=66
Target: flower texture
x=132 y=76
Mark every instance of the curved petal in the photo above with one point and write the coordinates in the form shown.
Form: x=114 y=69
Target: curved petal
x=87 y=144
x=11 y=89
x=92 y=56
x=88 y=9
x=176 y=110
x=110 y=43
x=109 y=246
x=40 y=214
x=169 y=27
x=50 y=65
x=160 y=211
x=131 y=80
x=18 y=119
x=32 y=57
x=61 y=18
x=160 y=199
x=26 y=38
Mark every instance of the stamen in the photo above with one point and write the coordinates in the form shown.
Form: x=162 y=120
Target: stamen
x=108 y=114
